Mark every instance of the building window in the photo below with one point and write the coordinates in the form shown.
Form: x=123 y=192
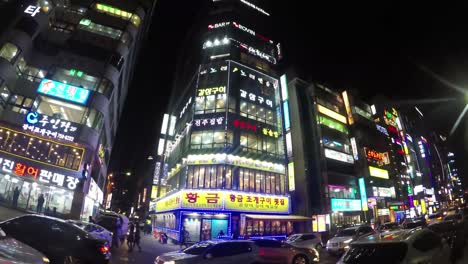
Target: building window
x=255 y=112
x=76 y=78
x=112 y=11
x=4 y=94
x=261 y=181
x=88 y=25
x=20 y=104
x=9 y=52
x=63 y=27
x=210 y=104
x=259 y=144
x=70 y=112
x=28 y=72
x=342 y=192
x=42 y=150
x=210 y=139
x=205 y=177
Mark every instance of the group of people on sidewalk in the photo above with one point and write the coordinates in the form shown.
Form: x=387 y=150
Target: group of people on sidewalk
x=134 y=236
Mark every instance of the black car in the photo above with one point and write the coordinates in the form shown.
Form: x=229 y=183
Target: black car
x=61 y=242
x=453 y=233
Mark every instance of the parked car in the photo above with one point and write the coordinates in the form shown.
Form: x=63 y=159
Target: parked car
x=13 y=251
x=59 y=240
x=410 y=223
x=214 y=252
x=95 y=230
x=274 y=251
x=419 y=245
x=115 y=223
x=305 y=240
x=388 y=226
x=435 y=217
x=340 y=242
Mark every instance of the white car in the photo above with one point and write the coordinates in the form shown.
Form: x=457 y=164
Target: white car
x=306 y=240
x=13 y=251
x=419 y=245
x=338 y=244
x=214 y=252
x=96 y=231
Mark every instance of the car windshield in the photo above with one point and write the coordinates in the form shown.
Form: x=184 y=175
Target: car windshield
x=376 y=253
x=346 y=232
x=107 y=222
x=432 y=216
x=198 y=248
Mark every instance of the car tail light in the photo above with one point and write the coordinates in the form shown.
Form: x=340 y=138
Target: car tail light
x=262 y=252
x=104 y=249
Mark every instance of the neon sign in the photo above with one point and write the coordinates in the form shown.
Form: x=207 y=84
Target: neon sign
x=64 y=91
x=340 y=156
x=269 y=132
x=322 y=109
x=21 y=169
x=362 y=190
x=348 y=108
x=252 y=76
x=243 y=28
x=218 y=25
x=32 y=10
x=382 y=129
x=354 y=148
x=377 y=156
x=255 y=7
x=214 y=121
x=51 y=127
x=345 y=205
x=253 y=97
x=211 y=91
x=244 y=125
x=379 y=173
x=291 y=177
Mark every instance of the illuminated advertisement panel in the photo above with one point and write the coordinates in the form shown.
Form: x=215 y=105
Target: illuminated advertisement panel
x=345 y=205
x=354 y=148
x=348 y=108
x=51 y=127
x=287 y=121
x=340 y=156
x=63 y=91
x=375 y=156
x=331 y=113
x=379 y=173
x=362 y=190
x=384 y=192
x=291 y=177
x=224 y=200
x=284 y=87
x=333 y=124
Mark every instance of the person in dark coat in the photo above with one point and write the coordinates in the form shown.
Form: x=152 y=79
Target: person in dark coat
x=16 y=194
x=40 y=203
x=137 y=236
x=131 y=237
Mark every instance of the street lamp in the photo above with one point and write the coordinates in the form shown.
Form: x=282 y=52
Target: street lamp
x=128 y=173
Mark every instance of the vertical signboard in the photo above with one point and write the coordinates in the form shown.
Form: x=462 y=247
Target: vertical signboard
x=291 y=177
x=362 y=190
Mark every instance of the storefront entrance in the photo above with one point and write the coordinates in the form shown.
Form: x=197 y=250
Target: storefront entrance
x=205 y=226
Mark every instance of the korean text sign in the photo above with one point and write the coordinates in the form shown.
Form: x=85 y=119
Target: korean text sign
x=64 y=91
x=51 y=127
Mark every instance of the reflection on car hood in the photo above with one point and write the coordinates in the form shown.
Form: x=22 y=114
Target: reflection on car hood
x=340 y=239
x=13 y=250
x=176 y=255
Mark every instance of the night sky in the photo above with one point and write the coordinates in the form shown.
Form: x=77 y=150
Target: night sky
x=380 y=48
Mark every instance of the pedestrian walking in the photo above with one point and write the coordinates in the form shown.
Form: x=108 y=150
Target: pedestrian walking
x=184 y=234
x=131 y=237
x=220 y=234
x=16 y=194
x=40 y=203
x=137 y=237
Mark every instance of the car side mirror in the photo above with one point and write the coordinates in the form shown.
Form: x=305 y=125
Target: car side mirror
x=209 y=256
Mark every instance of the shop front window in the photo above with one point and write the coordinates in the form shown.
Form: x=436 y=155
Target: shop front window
x=23 y=194
x=70 y=112
x=47 y=151
x=9 y=52
x=268 y=227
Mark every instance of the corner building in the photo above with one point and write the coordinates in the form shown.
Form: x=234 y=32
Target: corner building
x=65 y=67
x=226 y=162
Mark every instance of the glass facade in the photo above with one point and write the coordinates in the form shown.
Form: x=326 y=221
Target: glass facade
x=9 y=52
x=209 y=139
x=28 y=193
x=45 y=151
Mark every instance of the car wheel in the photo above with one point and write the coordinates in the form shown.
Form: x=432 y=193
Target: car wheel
x=71 y=260
x=300 y=259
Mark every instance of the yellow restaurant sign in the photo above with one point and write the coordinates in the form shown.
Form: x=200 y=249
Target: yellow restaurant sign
x=224 y=200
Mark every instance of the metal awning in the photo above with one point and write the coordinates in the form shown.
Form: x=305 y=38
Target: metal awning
x=280 y=217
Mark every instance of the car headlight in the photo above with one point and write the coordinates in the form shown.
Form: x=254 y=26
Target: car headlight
x=45 y=260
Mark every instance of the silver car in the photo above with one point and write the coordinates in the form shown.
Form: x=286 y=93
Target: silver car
x=214 y=252
x=419 y=245
x=13 y=251
x=305 y=240
x=340 y=242
x=96 y=231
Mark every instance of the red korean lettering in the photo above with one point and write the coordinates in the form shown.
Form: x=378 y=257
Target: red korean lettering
x=254 y=128
x=242 y=124
x=262 y=200
x=236 y=122
x=282 y=201
x=19 y=169
x=256 y=200
x=232 y=197
x=249 y=198
x=33 y=171
x=268 y=200
x=276 y=201
x=191 y=197
x=239 y=198
x=212 y=198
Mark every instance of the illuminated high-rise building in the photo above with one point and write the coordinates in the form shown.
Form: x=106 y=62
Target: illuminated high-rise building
x=224 y=147
x=65 y=68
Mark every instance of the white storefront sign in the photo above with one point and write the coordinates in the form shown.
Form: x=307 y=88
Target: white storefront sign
x=32 y=10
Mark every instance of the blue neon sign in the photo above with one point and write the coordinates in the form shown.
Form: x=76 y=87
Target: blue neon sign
x=287 y=121
x=64 y=91
x=362 y=191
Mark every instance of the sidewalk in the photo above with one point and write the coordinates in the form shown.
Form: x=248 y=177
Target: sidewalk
x=7 y=213
x=150 y=249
